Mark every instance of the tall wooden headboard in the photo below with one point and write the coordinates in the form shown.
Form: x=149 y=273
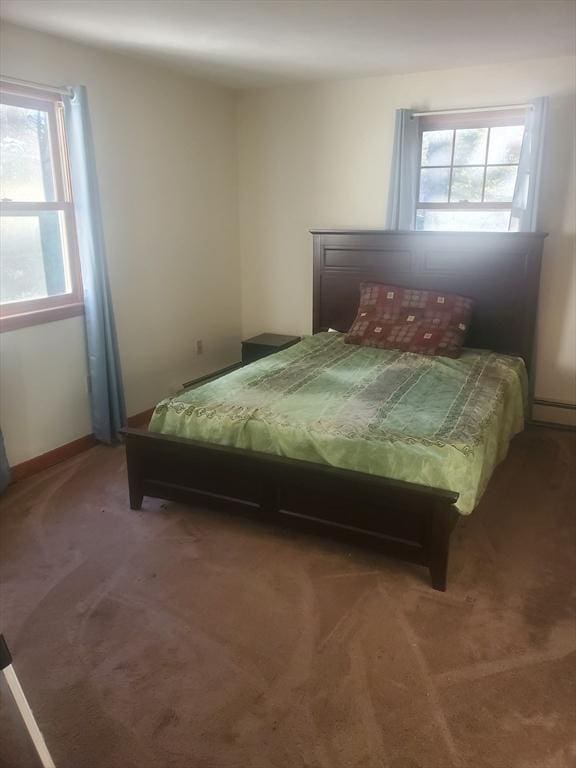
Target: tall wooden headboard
x=501 y=270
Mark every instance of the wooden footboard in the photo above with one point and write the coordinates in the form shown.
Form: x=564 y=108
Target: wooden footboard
x=407 y=521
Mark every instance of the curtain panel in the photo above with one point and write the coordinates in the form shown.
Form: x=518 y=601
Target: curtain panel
x=4 y=466
x=527 y=190
x=403 y=192
x=106 y=391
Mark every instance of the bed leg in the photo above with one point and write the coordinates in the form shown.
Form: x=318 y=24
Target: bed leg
x=135 y=486
x=438 y=575
x=136 y=497
x=438 y=546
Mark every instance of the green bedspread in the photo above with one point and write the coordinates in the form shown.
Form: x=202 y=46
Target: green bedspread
x=427 y=420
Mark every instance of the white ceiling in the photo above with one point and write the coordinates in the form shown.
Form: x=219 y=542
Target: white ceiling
x=245 y=43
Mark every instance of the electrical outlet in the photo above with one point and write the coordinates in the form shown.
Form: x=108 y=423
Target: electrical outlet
x=199 y=346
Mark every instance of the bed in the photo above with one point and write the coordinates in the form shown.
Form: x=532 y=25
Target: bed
x=371 y=444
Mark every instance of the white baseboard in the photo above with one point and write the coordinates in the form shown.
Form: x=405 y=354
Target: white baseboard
x=549 y=411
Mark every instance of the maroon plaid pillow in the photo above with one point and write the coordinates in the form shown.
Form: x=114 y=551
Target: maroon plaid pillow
x=411 y=320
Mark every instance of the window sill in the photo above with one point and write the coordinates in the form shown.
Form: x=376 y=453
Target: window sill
x=40 y=316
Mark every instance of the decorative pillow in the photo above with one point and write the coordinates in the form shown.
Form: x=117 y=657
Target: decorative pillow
x=411 y=320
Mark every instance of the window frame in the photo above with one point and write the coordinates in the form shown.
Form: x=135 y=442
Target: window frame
x=455 y=121
x=21 y=314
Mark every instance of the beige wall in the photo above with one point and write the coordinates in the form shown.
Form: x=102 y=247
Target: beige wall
x=319 y=155
x=166 y=155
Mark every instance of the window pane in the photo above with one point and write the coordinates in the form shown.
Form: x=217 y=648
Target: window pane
x=437 y=147
x=505 y=144
x=25 y=156
x=467 y=185
x=470 y=146
x=434 y=184
x=463 y=221
x=32 y=257
x=500 y=180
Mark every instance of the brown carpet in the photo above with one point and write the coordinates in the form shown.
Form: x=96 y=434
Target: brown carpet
x=180 y=637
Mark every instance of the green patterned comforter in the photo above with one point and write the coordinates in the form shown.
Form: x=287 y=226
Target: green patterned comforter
x=427 y=420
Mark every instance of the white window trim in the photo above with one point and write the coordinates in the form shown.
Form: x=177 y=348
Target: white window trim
x=453 y=121
x=20 y=314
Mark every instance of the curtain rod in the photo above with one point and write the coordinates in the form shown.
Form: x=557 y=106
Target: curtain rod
x=31 y=84
x=473 y=109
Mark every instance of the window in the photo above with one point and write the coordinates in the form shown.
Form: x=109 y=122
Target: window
x=39 y=267
x=468 y=169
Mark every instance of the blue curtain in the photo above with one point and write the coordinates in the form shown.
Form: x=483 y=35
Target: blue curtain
x=4 y=467
x=106 y=391
x=402 y=192
x=527 y=191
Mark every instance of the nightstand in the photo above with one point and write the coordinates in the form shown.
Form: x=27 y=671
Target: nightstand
x=265 y=344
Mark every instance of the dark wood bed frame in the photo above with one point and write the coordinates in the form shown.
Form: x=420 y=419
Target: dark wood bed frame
x=500 y=270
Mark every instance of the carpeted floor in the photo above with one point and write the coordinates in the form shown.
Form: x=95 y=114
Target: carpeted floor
x=178 y=637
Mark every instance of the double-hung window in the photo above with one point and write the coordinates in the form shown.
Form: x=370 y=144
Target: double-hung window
x=39 y=267
x=468 y=169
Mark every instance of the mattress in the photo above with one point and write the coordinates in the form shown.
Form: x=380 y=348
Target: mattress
x=433 y=421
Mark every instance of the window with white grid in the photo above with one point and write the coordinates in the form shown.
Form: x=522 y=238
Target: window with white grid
x=468 y=169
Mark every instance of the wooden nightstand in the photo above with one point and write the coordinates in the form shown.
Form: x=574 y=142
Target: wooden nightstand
x=265 y=344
